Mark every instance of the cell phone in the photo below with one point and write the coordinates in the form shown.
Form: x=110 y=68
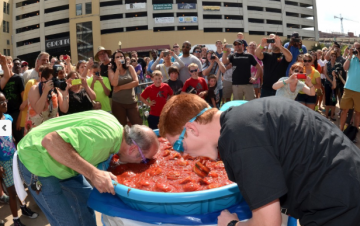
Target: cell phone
x=76 y=82
x=165 y=54
x=301 y=76
x=64 y=57
x=97 y=73
x=270 y=40
x=213 y=57
x=228 y=46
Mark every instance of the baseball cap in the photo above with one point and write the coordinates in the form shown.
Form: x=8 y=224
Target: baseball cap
x=238 y=41
x=295 y=35
x=24 y=63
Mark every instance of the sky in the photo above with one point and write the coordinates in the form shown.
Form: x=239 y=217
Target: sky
x=349 y=9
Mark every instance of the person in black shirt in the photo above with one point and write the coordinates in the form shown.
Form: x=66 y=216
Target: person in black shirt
x=280 y=153
x=103 y=55
x=275 y=65
x=242 y=79
x=81 y=97
x=175 y=84
x=13 y=88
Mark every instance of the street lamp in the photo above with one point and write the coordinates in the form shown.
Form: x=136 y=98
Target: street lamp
x=119 y=44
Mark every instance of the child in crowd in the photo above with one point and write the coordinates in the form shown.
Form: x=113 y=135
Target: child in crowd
x=195 y=83
x=8 y=149
x=213 y=96
x=157 y=93
x=101 y=86
x=175 y=84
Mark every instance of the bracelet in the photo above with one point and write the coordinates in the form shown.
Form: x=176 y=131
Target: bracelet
x=284 y=82
x=311 y=86
x=261 y=47
x=224 y=51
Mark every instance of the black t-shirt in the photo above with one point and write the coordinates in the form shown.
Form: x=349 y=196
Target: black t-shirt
x=211 y=94
x=277 y=148
x=241 y=63
x=143 y=64
x=78 y=102
x=176 y=86
x=275 y=66
x=104 y=70
x=12 y=91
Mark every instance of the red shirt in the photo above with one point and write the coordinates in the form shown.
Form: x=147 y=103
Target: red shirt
x=199 y=84
x=159 y=94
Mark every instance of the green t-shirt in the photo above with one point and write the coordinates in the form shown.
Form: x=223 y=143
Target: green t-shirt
x=94 y=135
x=100 y=93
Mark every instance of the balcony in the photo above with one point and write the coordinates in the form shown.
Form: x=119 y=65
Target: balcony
x=51 y=4
x=32 y=48
x=57 y=29
x=57 y=15
x=27 y=9
x=29 y=21
x=27 y=35
x=264 y=15
x=127 y=22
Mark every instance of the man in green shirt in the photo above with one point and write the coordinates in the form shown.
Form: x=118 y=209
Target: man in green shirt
x=62 y=151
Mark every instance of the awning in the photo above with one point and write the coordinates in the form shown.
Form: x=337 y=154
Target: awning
x=145 y=48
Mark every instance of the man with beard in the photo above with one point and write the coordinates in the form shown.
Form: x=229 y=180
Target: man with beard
x=188 y=59
x=275 y=64
x=12 y=86
x=42 y=59
x=154 y=54
x=296 y=48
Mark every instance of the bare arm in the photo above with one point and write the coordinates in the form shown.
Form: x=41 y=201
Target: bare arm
x=63 y=98
x=309 y=91
x=279 y=84
x=318 y=83
x=106 y=90
x=347 y=63
x=225 y=57
x=36 y=101
x=156 y=62
x=7 y=72
x=287 y=53
x=65 y=154
x=259 y=70
x=88 y=90
x=206 y=72
x=177 y=59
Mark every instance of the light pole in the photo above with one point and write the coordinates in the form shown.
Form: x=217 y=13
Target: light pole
x=119 y=44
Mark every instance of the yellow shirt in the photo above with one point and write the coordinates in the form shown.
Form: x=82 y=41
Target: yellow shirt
x=313 y=75
x=28 y=86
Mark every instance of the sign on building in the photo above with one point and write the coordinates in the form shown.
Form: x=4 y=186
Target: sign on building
x=188 y=19
x=135 y=6
x=211 y=8
x=164 y=20
x=162 y=6
x=57 y=43
x=186 y=6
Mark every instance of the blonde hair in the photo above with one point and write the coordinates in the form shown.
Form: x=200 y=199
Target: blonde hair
x=156 y=73
x=193 y=65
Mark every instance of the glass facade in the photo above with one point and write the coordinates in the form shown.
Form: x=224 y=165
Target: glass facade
x=78 y=9
x=84 y=40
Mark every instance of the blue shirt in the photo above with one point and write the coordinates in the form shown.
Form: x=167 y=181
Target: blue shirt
x=295 y=53
x=151 y=63
x=173 y=59
x=353 y=76
x=7 y=145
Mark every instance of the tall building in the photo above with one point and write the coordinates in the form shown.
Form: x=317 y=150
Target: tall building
x=78 y=27
x=6 y=31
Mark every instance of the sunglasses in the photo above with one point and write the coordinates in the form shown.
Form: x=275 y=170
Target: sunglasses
x=307 y=61
x=144 y=160
x=178 y=145
x=197 y=52
x=188 y=47
x=119 y=57
x=237 y=44
x=3 y=102
x=297 y=71
x=133 y=61
x=175 y=47
x=192 y=71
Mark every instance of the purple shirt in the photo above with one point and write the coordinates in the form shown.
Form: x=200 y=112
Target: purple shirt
x=140 y=76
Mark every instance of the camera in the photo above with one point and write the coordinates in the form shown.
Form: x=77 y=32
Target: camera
x=296 y=39
x=355 y=52
x=213 y=57
x=202 y=46
x=59 y=83
x=270 y=40
x=57 y=68
x=165 y=54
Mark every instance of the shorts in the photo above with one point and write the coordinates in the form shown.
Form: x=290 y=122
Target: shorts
x=257 y=86
x=8 y=167
x=306 y=99
x=138 y=90
x=227 y=89
x=350 y=99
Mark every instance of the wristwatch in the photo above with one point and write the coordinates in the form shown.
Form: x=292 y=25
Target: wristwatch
x=233 y=223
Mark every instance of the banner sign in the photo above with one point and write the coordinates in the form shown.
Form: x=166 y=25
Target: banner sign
x=164 y=20
x=162 y=6
x=211 y=8
x=135 y=6
x=186 y=6
x=188 y=19
x=57 y=43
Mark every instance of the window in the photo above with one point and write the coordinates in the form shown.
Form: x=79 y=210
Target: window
x=84 y=40
x=8 y=52
x=4 y=7
x=56 y=9
x=8 y=8
x=8 y=42
x=4 y=26
x=78 y=9
x=88 y=8
x=7 y=27
x=5 y=52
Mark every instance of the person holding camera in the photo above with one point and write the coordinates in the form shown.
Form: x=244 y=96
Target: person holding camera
x=197 y=53
x=289 y=87
x=242 y=82
x=351 y=97
x=42 y=59
x=330 y=70
x=46 y=98
x=296 y=48
x=164 y=68
x=81 y=96
x=124 y=79
x=188 y=59
x=275 y=64
x=154 y=54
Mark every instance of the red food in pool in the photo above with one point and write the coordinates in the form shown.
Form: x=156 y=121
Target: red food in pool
x=171 y=172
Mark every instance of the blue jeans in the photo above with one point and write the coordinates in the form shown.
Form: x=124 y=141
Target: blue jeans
x=64 y=202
